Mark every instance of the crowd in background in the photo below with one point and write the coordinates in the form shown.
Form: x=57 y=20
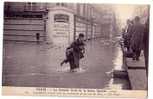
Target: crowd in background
x=136 y=39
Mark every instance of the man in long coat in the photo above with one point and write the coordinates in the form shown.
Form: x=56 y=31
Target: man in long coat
x=137 y=38
x=78 y=51
x=146 y=44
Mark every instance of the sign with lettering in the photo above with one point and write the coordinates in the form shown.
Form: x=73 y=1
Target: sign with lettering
x=61 y=18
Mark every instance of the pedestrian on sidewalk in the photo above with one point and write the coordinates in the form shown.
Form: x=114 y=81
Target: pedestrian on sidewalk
x=136 y=41
x=75 y=52
x=125 y=38
x=125 y=46
x=146 y=44
x=129 y=32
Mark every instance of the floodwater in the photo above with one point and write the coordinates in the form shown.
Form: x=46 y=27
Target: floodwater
x=38 y=65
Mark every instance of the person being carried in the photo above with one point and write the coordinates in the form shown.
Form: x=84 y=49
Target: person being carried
x=75 y=52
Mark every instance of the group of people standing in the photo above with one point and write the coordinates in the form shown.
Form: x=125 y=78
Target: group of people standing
x=136 y=38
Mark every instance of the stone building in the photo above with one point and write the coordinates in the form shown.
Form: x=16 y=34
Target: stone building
x=58 y=23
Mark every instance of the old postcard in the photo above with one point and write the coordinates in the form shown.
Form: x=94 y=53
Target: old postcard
x=75 y=49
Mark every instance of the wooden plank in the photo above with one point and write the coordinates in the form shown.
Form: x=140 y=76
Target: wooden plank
x=134 y=63
x=22 y=38
x=21 y=32
x=23 y=21
x=137 y=73
x=24 y=27
x=137 y=79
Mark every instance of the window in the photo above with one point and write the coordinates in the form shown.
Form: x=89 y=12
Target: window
x=58 y=4
x=30 y=6
x=61 y=4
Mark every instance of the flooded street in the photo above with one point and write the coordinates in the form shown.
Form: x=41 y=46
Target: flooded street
x=32 y=65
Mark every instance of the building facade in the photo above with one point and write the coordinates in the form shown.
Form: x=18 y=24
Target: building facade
x=58 y=23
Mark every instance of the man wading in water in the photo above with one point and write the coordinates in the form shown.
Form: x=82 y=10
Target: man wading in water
x=74 y=53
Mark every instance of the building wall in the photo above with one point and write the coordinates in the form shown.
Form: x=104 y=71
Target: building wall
x=60 y=33
x=25 y=6
x=23 y=29
x=85 y=18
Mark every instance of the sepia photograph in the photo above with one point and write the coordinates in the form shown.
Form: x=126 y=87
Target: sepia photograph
x=75 y=45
